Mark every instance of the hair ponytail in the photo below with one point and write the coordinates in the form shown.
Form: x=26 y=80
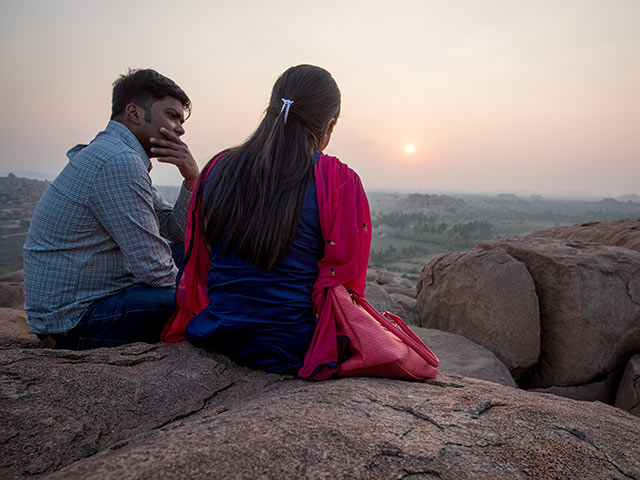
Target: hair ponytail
x=258 y=188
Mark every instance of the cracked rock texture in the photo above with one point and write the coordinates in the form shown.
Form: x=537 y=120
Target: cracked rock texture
x=588 y=301
x=174 y=411
x=59 y=406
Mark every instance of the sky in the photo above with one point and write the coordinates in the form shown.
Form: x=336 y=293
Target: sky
x=495 y=96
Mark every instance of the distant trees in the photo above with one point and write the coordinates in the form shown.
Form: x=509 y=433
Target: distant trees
x=396 y=219
x=421 y=200
x=419 y=226
x=440 y=222
x=466 y=235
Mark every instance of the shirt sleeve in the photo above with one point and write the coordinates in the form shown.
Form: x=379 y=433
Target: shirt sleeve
x=123 y=203
x=172 y=219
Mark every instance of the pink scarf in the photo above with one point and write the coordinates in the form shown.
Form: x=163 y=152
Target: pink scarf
x=346 y=228
x=345 y=222
x=193 y=285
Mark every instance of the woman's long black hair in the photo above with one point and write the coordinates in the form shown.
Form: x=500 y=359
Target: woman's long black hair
x=259 y=187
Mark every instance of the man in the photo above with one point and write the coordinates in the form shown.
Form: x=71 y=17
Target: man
x=97 y=270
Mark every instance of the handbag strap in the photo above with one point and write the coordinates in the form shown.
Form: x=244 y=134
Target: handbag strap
x=400 y=330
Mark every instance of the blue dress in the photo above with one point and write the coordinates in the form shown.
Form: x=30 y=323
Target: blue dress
x=263 y=319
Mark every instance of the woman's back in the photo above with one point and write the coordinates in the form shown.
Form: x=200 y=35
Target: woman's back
x=259 y=217
x=263 y=318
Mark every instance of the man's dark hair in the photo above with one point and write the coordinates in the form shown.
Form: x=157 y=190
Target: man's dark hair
x=143 y=87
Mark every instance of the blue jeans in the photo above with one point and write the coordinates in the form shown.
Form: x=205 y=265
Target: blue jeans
x=137 y=314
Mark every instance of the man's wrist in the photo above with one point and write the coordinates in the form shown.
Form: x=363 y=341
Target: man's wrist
x=188 y=184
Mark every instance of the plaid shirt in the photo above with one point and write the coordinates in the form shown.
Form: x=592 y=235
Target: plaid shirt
x=97 y=230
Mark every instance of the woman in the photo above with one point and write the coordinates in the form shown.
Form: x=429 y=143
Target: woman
x=281 y=223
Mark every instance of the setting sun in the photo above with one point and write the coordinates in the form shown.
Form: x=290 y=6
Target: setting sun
x=409 y=148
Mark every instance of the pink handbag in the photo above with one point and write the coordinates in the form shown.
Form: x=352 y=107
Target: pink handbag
x=380 y=345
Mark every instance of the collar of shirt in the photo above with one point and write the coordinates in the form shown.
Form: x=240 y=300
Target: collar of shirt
x=125 y=135
x=128 y=138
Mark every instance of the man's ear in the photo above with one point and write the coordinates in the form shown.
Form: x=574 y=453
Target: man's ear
x=134 y=113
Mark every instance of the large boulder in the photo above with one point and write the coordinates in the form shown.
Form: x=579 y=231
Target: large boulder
x=386 y=278
x=618 y=233
x=401 y=289
x=14 y=331
x=409 y=304
x=11 y=295
x=600 y=390
x=372 y=273
x=15 y=276
x=389 y=291
x=462 y=356
x=589 y=299
x=486 y=296
x=380 y=299
x=588 y=296
x=628 y=396
x=12 y=290
x=174 y=411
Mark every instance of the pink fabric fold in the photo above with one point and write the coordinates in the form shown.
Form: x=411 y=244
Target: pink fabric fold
x=345 y=222
x=191 y=292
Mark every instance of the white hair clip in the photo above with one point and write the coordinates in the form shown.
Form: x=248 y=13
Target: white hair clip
x=286 y=104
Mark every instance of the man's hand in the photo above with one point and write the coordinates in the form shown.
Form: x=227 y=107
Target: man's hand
x=173 y=150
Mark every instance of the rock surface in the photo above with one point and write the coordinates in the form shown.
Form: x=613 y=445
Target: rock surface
x=618 y=233
x=173 y=411
x=388 y=291
x=628 y=396
x=380 y=299
x=14 y=331
x=462 y=356
x=486 y=296
x=400 y=290
x=589 y=308
x=12 y=290
x=588 y=298
x=600 y=390
x=409 y=305
x=17 y=276
x=384 y=277
x=11 y=295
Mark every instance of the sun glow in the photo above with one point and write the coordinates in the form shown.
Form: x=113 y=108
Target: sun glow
x=409 y=148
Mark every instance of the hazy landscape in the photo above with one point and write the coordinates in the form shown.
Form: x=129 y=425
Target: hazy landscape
x=408 y=228
x=18 y=199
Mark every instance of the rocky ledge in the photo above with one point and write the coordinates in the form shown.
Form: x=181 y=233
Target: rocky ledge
x=174 y=411
x=562 y=314
x=617 y=233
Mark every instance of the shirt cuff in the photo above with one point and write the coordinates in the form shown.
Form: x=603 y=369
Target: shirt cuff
x=181 y=207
